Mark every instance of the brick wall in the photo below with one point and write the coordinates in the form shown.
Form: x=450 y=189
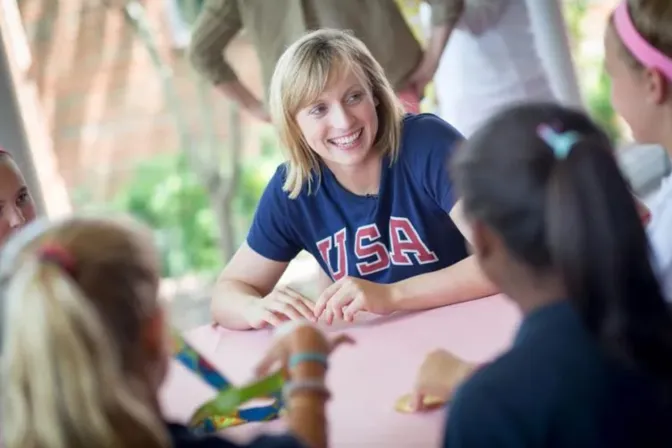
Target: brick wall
x=101 y=95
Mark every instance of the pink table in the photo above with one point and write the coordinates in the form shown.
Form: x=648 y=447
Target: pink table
x=365 y=379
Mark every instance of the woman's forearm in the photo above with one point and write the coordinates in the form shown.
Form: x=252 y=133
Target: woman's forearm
x=460 y=282
x=231 y=304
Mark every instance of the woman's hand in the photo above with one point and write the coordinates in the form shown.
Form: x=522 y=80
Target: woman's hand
x=299 y=337
x=440 y=373
x=350 y=295
x=281 y=305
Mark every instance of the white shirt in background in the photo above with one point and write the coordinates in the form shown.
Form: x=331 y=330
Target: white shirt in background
x=490 y=62
x=660 y=233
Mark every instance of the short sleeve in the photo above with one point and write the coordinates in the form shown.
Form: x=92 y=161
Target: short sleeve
x=271 y=234
x=429 y=143
x=476 y=419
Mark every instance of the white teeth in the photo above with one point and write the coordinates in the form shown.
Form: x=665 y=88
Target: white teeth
x=347 y=140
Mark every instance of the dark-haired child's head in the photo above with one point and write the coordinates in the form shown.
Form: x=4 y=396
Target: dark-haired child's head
x=638 y=59
x=16 y=205
x=557 y=221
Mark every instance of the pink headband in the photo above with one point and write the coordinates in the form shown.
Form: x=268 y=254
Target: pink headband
x=643 y=51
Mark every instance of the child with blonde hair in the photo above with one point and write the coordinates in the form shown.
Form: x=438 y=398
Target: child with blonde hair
x=16 y=205
x=638 y=58
x=85 y=348
x=365 y=190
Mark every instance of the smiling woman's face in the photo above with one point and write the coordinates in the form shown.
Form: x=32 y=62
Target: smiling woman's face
x=341 y=125
x=16 y=205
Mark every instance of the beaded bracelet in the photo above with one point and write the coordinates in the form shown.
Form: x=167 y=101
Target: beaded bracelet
x=298 y=358
x=308 y=385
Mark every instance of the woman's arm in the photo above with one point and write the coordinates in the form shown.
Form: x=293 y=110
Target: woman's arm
x=460 y=282
x=246 y=296
x=457 y=283
x=247 y=278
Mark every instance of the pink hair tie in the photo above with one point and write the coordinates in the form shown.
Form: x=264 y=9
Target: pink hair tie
x=644 y=52
x=59 y=256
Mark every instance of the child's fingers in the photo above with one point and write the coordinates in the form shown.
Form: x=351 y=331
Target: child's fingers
x=341 y=339
x=275 y=355
x=264 y=366
x=417 y=401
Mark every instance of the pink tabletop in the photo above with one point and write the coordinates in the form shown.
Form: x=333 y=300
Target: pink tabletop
x=365 y=379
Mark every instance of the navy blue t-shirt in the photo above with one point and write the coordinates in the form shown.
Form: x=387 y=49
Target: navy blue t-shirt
x=557 y=388
x=181 y=437
x=402 y=232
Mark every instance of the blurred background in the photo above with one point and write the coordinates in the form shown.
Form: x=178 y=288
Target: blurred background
x=117 y=120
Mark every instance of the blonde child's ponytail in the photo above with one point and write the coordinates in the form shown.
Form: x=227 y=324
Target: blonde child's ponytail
x=63 y=382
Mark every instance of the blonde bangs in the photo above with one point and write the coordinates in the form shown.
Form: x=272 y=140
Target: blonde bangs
x=302 y=74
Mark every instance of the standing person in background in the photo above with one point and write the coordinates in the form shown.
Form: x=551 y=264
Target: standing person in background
x=490 y=62
x=272 y=26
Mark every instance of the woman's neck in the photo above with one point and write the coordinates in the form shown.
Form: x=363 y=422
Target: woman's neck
x=361 y=179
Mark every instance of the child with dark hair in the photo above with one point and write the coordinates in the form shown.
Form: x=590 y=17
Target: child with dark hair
x=555 y=227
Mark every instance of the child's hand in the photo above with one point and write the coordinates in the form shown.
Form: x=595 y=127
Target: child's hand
x=441 y=372
x=349 y=295
x=299 y=337
x=281 y=305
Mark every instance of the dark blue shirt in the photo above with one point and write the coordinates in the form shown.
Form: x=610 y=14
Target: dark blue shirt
x=557 y=388
x=181 y=437
x=402 y=232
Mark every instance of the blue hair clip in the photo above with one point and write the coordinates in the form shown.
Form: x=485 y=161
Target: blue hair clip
x=561 y=143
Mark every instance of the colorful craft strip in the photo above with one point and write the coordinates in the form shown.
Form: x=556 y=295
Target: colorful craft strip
x=224 y=411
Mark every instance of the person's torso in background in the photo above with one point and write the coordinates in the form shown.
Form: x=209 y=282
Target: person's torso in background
x=659 y=231
x=274 y=25
x=480 y=74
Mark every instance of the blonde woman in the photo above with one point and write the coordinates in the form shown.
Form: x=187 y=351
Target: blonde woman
x=84 y=349
x=364 y=190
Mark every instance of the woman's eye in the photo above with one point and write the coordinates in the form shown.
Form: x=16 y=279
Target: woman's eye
x=318 y=110
x=354 y=98
x=23 y=198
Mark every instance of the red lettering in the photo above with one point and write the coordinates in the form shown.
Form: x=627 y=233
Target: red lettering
x=405 y=240
x=366 y=246
x=324 y=246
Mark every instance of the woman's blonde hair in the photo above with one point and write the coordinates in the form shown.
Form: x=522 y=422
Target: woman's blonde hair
x=302 y=74
x=77 y=296
x=652 y=19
